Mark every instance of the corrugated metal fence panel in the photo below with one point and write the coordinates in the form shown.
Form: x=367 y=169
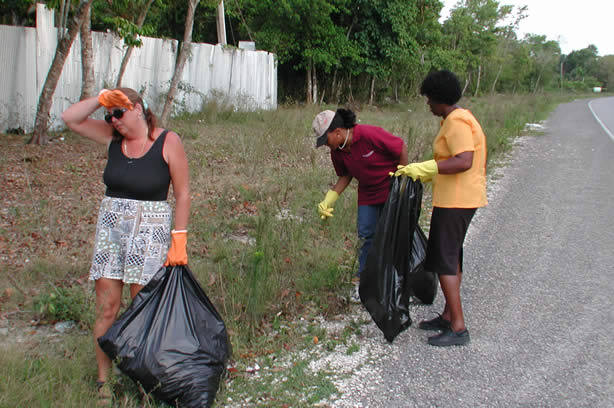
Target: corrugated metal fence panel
x=268 y=85
x=108 y=54
x=247 y=80
x=220 y=63
x=149 y=71
x=18 y=71
x=195 y=89
x=68 y=89
x=46 y=42
x=243 y=80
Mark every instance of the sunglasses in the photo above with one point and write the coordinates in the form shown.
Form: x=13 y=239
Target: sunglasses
x=116 y=113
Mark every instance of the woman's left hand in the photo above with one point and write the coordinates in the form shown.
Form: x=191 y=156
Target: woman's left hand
x=177 y=254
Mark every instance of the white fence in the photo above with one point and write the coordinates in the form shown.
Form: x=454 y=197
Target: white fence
x=245 y=80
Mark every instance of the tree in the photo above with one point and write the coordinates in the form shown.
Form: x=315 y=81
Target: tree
x=387 y=39
x=87 y=57
x=181 y=59
x=131 y=41
x=580 y=63
x=507 y=42
x=472 y=28
x=18 y=12
x=545 y=57
x=605 y=71
x=429 y=39
x=303 y=34
x=515 y=69
x=45 y=100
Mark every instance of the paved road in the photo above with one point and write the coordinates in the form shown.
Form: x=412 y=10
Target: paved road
x=538 y=289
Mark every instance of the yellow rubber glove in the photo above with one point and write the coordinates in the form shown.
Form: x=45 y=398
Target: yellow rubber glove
x=177 y=254
x=423 y=171
x=325 y=208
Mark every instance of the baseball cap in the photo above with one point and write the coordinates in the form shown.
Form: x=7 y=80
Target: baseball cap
x=320 y=125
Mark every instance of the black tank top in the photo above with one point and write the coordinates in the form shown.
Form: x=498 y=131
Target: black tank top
x=146 y=178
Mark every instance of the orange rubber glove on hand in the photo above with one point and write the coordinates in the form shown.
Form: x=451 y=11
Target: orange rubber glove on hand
x=114 y=99
x=177 y=254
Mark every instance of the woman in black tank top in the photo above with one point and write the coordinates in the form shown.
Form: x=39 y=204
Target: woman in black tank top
x=134 y=223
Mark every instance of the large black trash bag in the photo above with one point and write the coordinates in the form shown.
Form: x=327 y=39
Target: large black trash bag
x=171 y=340
x=422 y=283
x=384 y=288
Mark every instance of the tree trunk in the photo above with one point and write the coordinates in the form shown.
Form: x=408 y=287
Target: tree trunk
x=87 y=57
x=539 y=76
x=477 y=85
x=350 y=96
x=338 y=91
x=139 y=23
x=65 y=17
x=334 y=84
x=372 y=90
x=221 y=26
x=61 y=25
x=309 y=100
x=61 y=53
x=467 y=80
x=494 y=84
x=183 y=56
x=314 y=85
x=335 y=89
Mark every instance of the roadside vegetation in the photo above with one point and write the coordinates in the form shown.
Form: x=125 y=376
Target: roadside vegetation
x=256 y=243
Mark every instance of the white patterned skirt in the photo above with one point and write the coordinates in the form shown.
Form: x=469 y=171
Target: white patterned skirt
x=132 y=239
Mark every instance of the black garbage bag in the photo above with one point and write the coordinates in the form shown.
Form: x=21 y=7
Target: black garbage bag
x=384 y=288
x=422 y=283
x=171 y=340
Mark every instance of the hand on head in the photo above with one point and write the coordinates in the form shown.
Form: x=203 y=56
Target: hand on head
x=114 y=99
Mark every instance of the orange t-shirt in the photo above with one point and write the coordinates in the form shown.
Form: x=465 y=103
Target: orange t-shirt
x=460 y=132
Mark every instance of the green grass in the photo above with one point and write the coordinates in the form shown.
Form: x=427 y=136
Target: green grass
x=58 y=374
x=294 y=385
x=256 y=242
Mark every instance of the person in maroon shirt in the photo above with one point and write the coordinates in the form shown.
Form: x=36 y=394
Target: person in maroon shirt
x=366 y=153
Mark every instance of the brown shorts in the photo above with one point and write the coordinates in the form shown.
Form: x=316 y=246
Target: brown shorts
x=444 y=252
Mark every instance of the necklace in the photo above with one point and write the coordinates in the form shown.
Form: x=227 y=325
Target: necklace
x=347 y=135
x=130 y=158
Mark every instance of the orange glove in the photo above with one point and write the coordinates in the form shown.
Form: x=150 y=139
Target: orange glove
x=114 y=99
x=177 y=254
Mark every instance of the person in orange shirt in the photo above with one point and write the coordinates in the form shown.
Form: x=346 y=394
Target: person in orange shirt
x=458 y=173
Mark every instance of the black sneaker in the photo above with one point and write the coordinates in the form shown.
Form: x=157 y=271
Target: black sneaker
x=450 y=338
x=438 y=323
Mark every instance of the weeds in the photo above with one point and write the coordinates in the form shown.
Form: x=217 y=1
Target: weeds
x=62 y=303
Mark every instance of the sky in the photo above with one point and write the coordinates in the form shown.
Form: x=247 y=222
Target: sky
x=575 y=25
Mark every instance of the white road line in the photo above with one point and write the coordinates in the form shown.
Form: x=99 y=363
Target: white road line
x=599 y=121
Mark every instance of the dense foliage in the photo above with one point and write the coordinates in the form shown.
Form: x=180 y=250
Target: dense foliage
x=366 y=50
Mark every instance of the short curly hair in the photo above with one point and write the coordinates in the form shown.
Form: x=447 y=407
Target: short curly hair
x=344 y=118
x=442 y=87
